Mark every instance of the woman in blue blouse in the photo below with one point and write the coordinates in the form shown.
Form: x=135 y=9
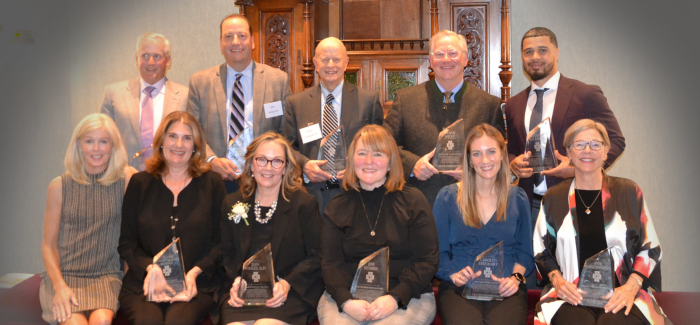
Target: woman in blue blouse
x=474 y=215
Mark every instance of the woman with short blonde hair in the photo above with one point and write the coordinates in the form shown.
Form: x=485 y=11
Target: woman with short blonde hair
x=81 y=227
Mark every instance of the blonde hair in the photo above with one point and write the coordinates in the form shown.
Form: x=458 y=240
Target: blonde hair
x=466 y=195
x=583 y=125
x=156 y=165
x=375 y=138
x=291 y=178
x=444 y=33
x=75 y=165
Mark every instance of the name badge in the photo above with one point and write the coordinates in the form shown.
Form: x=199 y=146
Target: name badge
x=310 y=133
x=273 y=109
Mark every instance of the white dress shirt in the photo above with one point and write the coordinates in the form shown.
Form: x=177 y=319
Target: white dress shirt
x=547 y=110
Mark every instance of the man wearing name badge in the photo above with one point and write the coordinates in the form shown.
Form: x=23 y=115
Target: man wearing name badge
x=312 y=114
x=238 y=97
x=138 y=105
x=420 y=112
x=562 y=100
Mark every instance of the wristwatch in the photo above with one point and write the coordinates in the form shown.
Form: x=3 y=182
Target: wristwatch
x=519 y=277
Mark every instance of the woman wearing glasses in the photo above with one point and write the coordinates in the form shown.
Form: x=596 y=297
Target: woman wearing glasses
x=272 y=207
x=584 y=216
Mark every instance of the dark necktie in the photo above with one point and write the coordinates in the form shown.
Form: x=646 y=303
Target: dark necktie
x=535 y=119
x=330 y=123
x=237 y=118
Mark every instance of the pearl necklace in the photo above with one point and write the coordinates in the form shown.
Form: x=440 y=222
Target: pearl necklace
x=268 y=215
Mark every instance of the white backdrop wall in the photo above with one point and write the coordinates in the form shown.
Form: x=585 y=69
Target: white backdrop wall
x=639 y=53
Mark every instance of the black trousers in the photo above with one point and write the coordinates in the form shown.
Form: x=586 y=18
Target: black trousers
x=579 y=315
x=142 y=312
x=455 y=309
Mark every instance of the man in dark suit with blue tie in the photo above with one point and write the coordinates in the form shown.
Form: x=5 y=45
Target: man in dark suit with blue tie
x=562 y=100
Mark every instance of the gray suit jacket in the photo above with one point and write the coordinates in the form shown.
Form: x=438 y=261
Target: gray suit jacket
x=121 y=102
x=359 y=108
x=207 y=102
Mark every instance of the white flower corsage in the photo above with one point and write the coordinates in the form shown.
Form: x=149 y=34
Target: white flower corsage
x=238 y=211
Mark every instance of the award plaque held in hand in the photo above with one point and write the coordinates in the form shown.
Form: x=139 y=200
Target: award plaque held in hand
x=490 y=262
x=257 y=278
x=540 y=144
x=170 y=262
x=450 y=147
x=333 y=149
x=596 y=279
x=237 y=147
x=372 y=276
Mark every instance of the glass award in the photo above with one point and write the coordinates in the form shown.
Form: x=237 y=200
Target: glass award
x=540 y=144
x=490 y=262
x=450 y=146
x=257 y=278
x=372 y=276
x=596 y=279
x=332 y=149
x=170 y=262
x=237 y=148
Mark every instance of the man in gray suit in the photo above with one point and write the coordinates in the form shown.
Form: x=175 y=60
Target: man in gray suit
x=420 y=112
x=136 y=111
x=332 y=103
x=239 y=96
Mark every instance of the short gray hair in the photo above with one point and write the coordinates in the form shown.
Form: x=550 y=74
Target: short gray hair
x=150 y=36
x=583 y=125
x=462 y=40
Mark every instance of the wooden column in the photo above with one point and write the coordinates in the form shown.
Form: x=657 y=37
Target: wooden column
x=242 y=4
x=434 y=26
x=505 y=66
x=307 y=67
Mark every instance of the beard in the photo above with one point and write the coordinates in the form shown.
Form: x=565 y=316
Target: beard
x=541 y=73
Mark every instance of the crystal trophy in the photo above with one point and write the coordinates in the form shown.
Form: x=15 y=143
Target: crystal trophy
x=170 y=262
x=332 y=149
x=450 y=147
x=372 y=276
x=257 y=278
x=540 y=144
x=596 y=279
x=237 y=148
x=490 y=262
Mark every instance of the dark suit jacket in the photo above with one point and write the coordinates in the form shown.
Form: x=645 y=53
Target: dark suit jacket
x=295 y=243
x=207 y=102
x=146 y=227
x=121 y=102
x=575 y=100
x=417 y=116
x=359 y=107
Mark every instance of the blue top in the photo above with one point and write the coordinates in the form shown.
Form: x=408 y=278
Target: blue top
x=460 y=244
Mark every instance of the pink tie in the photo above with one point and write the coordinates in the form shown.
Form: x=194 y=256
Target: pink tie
x=147 y=121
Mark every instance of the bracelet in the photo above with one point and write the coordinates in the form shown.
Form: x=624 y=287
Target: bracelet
x=637 y=279
x=211 y=158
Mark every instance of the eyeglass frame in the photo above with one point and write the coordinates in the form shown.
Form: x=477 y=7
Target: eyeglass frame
x=269 y=161
x=442 y=54
x=588 y=144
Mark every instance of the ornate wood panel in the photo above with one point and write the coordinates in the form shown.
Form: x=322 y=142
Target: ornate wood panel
x=277 y=38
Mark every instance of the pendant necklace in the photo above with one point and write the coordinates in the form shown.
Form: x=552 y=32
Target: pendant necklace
x=367 y=215
x=588 y=207
x=173 y=223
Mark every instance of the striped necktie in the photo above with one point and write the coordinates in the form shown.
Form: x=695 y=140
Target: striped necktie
x=237 y=117
x=330 y=123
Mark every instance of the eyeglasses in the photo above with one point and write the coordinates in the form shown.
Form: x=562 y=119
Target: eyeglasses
x=262 y=162
x=593 y=144
x=452 y=54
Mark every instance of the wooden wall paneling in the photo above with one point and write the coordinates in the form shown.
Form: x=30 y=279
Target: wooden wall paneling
x=361 y=19
x=400 y=18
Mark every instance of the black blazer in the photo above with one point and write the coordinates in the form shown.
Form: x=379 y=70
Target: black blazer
x=295 y=243
x=575 y=100
x=146 y=227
